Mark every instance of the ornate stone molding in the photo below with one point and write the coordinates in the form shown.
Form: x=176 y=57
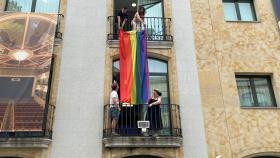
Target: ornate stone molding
x=25 y=142
x=142 y=142
x=151 y=44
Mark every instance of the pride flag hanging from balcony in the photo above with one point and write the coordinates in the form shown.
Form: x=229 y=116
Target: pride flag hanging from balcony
x=134 y=70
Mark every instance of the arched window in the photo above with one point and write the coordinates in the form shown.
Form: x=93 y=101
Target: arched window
x=158 y=76
x=158 y=80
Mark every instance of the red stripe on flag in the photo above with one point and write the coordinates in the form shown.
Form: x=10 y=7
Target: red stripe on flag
x=126 y=76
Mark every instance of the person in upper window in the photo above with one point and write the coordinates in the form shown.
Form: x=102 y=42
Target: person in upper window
x=114 y=107
x=121 y=18
x=138 y=20
x=154 y=113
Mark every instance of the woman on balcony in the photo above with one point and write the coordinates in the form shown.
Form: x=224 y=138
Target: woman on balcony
x=154 y=113
x=138 y=20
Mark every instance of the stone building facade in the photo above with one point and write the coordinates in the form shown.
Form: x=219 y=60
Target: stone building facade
x=204 y=57
x=226 y=49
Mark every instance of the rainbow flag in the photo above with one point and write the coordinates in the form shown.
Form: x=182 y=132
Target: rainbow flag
x=134 y=70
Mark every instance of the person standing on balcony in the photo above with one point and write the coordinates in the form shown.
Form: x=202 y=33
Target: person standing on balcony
x=121 y=19
x=154 y=113
x=138 y=20
x=114 y=107
x=120 y=22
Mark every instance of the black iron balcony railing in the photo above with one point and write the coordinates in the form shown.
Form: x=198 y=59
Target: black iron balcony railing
x=38 y=121
x=158 y=28
x=46 y=131
x=170 y=122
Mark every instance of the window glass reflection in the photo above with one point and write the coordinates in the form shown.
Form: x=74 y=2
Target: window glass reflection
x=19 y=5
x=47 y=6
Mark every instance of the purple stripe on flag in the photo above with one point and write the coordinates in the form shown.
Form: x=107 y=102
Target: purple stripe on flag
x=144 y=68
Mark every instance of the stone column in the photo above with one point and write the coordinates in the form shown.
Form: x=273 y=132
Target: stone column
x=79 y=111
x=194 y=142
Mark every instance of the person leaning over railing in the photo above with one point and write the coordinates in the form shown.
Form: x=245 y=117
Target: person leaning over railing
x=114 y=107
x=121 y=18
x=138 y=20
x=154 y=113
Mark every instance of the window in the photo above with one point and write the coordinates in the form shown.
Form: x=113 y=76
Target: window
x=158 y=76
x=255 y=91
x=154 y=17
x=24 y=96
x=276 y=6
x=158 y=71
x=239 y=10
x=39 y=6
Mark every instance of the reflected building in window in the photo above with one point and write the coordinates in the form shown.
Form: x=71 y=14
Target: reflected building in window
x=276 y=7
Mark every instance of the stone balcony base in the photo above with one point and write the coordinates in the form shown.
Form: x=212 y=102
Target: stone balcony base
x=25 y=142
x=151 y=44
x=142 y=142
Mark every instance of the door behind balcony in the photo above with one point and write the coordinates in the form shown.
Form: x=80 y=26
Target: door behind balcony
x=154 y=21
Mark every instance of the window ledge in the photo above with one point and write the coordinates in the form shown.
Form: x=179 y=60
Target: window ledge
x=25 y=142
x=151 y=44
x=267 y=108
x=143 y=142
x=240 y=21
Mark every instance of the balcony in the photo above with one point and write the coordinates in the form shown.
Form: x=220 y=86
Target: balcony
x=26 y=46
x=158 y=31
x=34 y=133
x=129 y=135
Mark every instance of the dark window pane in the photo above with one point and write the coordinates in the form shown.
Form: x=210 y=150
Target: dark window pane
x=255 y=91
x=263 y=92
x=19 y=5
x=47 y=6
x=276 y=6
x=245 y=92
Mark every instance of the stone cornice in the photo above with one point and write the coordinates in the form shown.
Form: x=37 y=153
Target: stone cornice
x=25 y=142
x=143 y=142
x=151 y=44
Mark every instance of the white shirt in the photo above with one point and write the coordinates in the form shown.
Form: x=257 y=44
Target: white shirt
x=115 y=95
